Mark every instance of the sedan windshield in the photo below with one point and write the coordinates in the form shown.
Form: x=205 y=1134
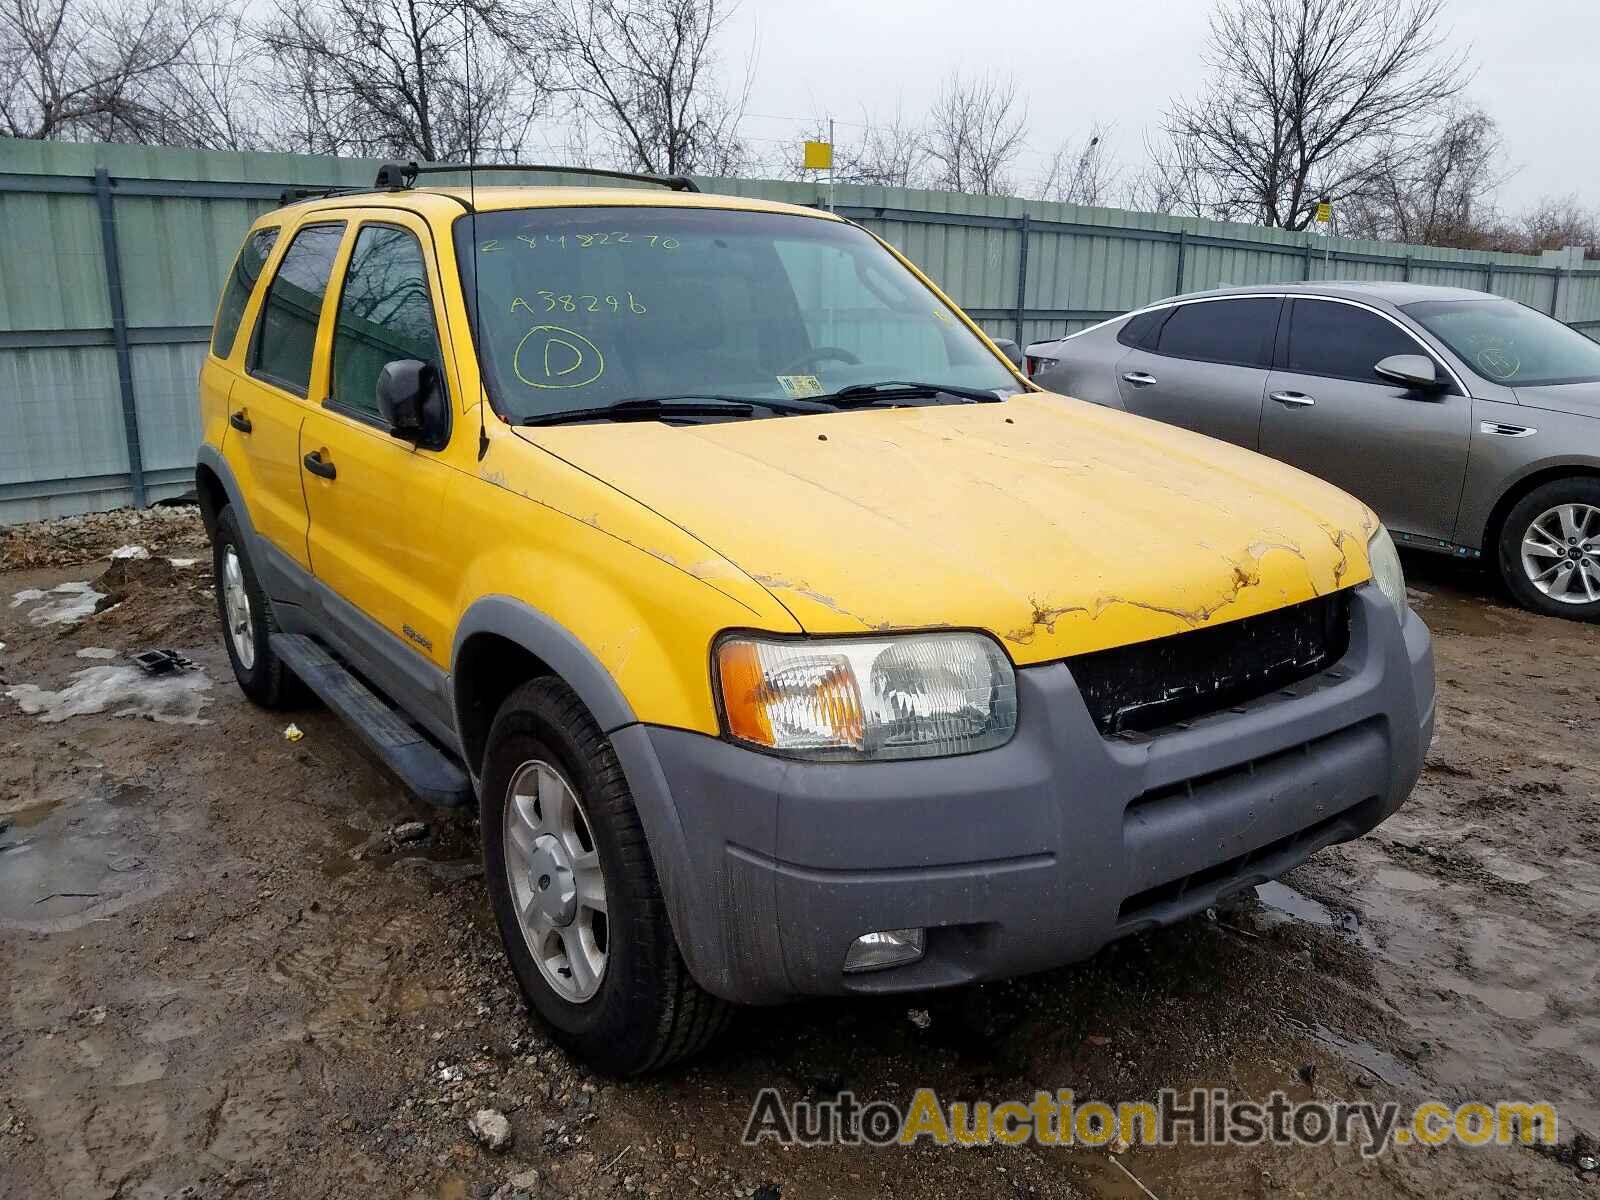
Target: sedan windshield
x=585 y=307
x=1510 y=343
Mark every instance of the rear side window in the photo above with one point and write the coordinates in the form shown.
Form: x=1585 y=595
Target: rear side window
x=1343 y=341
x=385 y=314
x=287 y=329
x=1238 y=332
x=1140 y=331
x=241 y=284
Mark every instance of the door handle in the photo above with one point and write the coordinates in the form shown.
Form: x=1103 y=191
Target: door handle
x=1138 y=378
x=318 y=465
x=240 y=421
x=1293 y=399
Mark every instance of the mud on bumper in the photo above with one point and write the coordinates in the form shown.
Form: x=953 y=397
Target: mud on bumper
x=1032 y=855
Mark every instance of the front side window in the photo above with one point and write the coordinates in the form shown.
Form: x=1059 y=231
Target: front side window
x=1237 y=332
x=385 y=313
x=241 y=284
x=1343 y=341
x=1510 y=343
x=287 y=329
x=583 y=307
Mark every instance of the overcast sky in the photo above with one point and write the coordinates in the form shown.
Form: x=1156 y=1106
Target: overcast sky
x=1121 y=60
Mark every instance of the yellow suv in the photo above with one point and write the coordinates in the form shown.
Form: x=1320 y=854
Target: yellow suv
x=787 y=639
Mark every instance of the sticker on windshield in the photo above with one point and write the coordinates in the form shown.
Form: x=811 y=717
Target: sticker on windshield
x=798 y=386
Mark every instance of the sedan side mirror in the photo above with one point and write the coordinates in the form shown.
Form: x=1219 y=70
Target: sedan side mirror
x=1011 y=350
x=1413 y=370
x=408 y=398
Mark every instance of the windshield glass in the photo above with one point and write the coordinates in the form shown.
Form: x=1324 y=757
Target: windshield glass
x=1510 y=343
x=584 y=307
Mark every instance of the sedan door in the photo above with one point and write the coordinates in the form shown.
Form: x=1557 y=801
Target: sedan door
x=1403 y=450
x=1204 y=366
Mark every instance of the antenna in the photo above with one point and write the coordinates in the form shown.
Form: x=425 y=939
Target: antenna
x=472 y=191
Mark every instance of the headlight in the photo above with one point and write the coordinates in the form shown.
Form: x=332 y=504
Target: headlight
x=914 y=696
x=1386 y=572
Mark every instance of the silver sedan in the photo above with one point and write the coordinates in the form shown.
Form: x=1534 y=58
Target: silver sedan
x=1470 y=423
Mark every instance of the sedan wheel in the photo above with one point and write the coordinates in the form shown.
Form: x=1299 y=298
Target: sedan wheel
x=1561 y=553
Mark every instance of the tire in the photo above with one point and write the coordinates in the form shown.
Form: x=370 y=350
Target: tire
x=264 y=678
x=644 y=1010
x=1537 y=519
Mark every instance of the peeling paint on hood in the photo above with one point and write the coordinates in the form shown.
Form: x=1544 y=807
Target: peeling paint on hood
x=1058 y=526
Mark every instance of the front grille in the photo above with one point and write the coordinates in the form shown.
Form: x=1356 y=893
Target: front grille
x=1150 y=685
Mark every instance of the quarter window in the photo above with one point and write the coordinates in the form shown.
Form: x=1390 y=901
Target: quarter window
x=241 y=283
x=1239 y=332
x=385 y=313
x=1343 y=341
x=287 y=330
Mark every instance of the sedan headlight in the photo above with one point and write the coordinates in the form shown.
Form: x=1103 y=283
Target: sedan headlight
x=1386 y=572
x=913 y=696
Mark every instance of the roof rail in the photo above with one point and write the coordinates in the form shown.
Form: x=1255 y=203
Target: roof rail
x=395 y=176
x=293 y=195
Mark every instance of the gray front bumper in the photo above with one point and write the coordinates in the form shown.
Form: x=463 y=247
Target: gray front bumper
x=1032 y=855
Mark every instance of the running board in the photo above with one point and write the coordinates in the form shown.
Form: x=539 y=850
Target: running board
x=421 y=765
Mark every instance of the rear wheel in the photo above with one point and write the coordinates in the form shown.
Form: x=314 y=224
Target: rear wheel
x=247 y=621
x=1549 y=551
x=575 y=891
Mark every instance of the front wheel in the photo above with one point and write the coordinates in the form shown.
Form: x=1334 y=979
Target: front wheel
x=575 y=892
x=1549 y=549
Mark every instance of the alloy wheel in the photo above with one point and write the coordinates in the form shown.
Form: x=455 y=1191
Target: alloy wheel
x=236 y=606
x=1561 y=553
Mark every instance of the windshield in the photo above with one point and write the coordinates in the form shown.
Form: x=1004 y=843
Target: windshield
x=583 y=307
x=1510 y=343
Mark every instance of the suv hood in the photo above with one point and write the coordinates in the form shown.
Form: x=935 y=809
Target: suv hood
x=1579 y=399
x=1059 y=527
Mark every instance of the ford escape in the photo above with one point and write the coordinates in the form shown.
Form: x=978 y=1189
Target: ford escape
x=786 y=639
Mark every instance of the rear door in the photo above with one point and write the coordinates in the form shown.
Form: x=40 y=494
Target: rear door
x=1204 y=367
x=267 y=404
x=1402 y=450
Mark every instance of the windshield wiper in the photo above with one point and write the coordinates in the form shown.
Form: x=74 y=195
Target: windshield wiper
x=649 y=408
x=904 y=389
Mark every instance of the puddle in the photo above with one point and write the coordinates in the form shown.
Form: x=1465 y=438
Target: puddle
x=1514 y=1004
x=97 y=653
x=1281 y=904
x=63 y=866
x=1379 y=1063
x=174 y=699
x=61 y=605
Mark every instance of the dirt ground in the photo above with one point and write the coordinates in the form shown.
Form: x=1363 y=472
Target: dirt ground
x=226 y=970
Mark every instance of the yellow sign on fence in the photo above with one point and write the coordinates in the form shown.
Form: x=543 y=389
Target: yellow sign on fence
x=819 y=156
x=1324 y=212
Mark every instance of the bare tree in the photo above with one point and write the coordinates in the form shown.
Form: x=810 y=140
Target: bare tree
x=647 y=73
x=975 y=133
x=1308 y=95
x=78 y=69
x=436 y=80
x=1434 y=191
x=1080 y=172
x=1553 y=223
x=1171 y=182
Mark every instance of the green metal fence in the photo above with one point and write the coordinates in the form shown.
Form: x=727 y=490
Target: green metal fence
x=111 y=258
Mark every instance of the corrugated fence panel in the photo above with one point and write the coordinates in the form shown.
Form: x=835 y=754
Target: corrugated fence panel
x=1029 y=270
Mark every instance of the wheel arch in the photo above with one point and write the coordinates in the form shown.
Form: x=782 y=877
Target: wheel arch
x=500 y=643
x=1520 y=488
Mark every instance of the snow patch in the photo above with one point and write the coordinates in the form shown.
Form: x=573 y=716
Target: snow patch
x=130 y=552
x=97 y=652
x=183 y=564
x=169 y=699
x=61 y=605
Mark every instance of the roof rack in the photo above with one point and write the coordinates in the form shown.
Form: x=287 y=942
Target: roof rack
x=395 y=176
x=293 y=195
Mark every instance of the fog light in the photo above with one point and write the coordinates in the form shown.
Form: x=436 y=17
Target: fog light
x=886 y=948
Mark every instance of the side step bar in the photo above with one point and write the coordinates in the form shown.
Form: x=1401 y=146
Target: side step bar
x=421 y=765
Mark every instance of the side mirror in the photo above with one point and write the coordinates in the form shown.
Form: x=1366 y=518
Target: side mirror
x=1413 y=370
x=1011 y=350
x=404 y=389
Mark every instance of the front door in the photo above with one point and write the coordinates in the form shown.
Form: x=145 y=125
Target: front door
x=1401 y=450
x=375 y=501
